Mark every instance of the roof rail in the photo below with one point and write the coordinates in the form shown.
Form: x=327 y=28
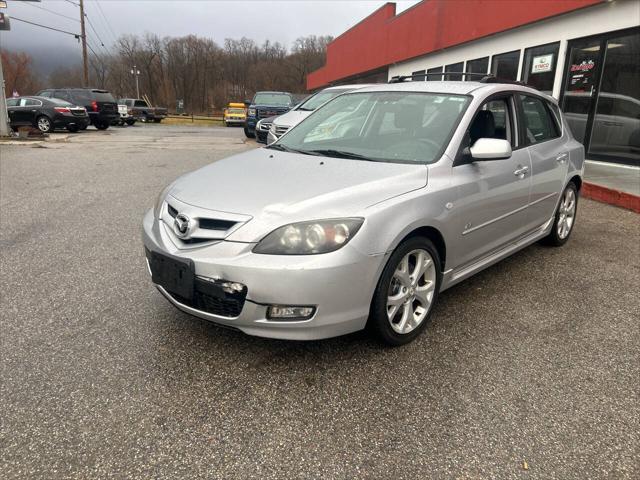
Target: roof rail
x=402 y=78
x=486 y=78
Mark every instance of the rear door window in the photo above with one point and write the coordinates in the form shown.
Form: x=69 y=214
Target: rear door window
x=13 y=102
x=32 y=102
x=538 y=123
x=140 y=103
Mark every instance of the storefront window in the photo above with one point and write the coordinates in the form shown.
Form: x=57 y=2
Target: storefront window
x=434 y=78
x=454 y=67
x=539 y=66
x=418 y=76
x=479 y=65
x=505 y=65
x=616 y=125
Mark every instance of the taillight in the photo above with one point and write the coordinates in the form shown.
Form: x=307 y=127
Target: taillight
x=94 y=106
x=62 y=109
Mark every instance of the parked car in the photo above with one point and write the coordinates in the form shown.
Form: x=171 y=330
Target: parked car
x=234 y=114
x=100 y=104
x=616 y=125
x=139 y=109
x=263 y=127
x=282 y=123
x=125 y=116
x=365 y=211
x=46 y=114
x=264 y=105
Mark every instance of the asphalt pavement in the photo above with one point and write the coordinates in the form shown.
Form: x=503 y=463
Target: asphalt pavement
x=528 y=370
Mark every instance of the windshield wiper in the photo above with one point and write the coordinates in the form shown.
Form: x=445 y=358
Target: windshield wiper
x=341 y=154
x=282 y=148
x=302 y=109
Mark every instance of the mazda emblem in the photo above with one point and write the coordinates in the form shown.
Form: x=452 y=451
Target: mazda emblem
x=182 y=225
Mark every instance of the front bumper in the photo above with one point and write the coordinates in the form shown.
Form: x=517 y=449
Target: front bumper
x=339 y=284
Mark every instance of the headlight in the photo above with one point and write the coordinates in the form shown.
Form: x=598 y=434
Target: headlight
x=163 y=194
x=309 y=238
x=252 y=112
x=272 y=128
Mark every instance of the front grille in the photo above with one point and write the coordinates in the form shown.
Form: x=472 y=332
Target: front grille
x=215 y=224
x=281 y=130
x=227 y=305
x=270 y=113
x=265 y=126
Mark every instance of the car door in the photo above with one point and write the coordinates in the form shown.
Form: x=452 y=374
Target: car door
x=491 y=196
x=32 y=110
x=542 y=135
x=12 y=109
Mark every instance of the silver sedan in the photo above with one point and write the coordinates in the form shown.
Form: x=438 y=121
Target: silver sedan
x=364 y=212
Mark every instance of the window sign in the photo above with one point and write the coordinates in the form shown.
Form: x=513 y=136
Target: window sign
x=542 y=63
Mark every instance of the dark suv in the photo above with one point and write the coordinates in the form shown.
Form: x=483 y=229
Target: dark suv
x=264 y=105
x=100 y=104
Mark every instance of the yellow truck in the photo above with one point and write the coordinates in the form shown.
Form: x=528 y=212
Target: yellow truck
x=235 y=114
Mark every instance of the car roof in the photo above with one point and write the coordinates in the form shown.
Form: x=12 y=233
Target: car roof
x=353 y=86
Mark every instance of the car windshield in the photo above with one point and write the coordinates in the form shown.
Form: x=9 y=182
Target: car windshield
x=407 y=127
x=279 y=99
x=318 y=99
x=236 y=110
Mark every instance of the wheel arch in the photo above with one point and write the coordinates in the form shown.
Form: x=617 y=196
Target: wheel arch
x=577 y=181
x=436 y=238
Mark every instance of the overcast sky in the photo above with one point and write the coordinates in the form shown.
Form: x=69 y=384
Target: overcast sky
x=281 y=21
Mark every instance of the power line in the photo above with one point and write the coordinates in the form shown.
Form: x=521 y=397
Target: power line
x=77 y=35
x=51 y=11
x=72 y=3
x=94 y=30
x=106 y=20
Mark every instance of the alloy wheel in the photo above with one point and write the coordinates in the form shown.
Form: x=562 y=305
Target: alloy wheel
x=44 y=124
x=567 y=213
x=411 y=291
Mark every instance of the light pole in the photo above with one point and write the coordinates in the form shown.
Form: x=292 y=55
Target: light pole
x=136 y=72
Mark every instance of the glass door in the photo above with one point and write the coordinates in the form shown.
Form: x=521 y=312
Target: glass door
x=601 y=95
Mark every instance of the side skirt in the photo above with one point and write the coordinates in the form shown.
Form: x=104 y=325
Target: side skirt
x=454 y=276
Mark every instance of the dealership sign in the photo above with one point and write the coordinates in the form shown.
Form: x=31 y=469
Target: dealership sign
x=542 y=64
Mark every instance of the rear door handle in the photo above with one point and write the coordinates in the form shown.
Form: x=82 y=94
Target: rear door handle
x=562 y=158
x=521 y=172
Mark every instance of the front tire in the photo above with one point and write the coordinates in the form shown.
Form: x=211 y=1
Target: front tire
x=44 y=124
x=406 y=292
x=248 y=133
x=102 y=125
x=130 y=121
x=73 y=128
x=565 y=217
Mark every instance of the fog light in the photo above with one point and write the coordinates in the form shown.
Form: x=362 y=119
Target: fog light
x=289 y=312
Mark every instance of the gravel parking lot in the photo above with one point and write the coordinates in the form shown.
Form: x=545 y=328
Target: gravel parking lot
x=528 y=370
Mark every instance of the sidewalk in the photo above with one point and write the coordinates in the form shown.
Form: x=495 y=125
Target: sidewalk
x=614 y=184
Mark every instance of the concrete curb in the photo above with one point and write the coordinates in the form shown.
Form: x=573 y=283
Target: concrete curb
x=611 y=196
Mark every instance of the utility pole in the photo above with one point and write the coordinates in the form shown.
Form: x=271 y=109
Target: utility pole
x=4 y=117
x=136 y=72
x=83 y=35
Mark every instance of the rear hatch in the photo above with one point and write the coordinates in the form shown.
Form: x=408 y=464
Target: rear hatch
x=96 y=100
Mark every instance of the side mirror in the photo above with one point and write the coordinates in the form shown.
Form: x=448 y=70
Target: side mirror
x=247 y=102
x=490 y=149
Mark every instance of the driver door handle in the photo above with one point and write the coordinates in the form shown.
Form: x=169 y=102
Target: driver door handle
x=521 y=172
x=562 y=158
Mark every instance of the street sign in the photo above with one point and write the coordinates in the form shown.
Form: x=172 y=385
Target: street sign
x=4 y=22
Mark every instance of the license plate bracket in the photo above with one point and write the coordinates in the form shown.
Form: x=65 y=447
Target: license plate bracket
x=176 y=275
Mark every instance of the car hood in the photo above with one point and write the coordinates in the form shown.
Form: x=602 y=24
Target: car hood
x=292 y=118
x=276 y=188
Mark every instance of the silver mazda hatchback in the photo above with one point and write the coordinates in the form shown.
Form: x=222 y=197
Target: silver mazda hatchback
x=364 y=212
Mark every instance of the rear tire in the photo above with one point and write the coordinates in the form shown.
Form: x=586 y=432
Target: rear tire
x=44 y=124
x=406 y=292
x=130 y=121
x=102 y=125
x=248 y=133
x=84 y=127
x=564 y=219
x=157 y=120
